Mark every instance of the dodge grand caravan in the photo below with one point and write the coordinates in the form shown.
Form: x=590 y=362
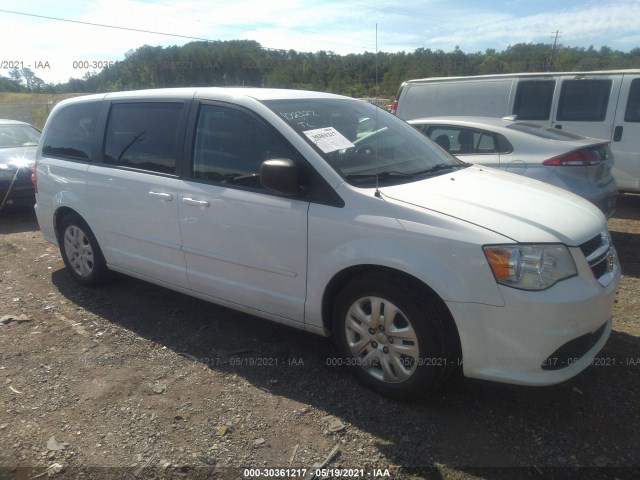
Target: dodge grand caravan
x=281 y=204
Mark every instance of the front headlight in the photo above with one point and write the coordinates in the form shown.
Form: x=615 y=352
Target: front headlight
x=530 y=267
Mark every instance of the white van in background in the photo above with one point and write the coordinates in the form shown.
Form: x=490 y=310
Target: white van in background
x=603 y=104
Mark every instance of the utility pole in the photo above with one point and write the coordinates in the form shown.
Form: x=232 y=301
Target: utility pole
x=552 y=59
x=376 y=63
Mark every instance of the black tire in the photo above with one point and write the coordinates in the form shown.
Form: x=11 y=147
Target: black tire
x=425 y=349
x=80 y=251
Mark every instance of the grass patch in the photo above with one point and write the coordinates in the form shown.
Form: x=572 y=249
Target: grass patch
x=33 y=108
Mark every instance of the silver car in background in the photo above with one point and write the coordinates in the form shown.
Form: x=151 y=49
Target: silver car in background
x=579 y=164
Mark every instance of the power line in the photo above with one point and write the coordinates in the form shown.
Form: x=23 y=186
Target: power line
x=154 y=32
x=105 y=25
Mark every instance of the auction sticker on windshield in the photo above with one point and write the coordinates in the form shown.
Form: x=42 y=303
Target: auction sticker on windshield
x=328 y=139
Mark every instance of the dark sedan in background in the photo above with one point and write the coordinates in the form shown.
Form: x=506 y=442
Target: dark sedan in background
x=18 y=145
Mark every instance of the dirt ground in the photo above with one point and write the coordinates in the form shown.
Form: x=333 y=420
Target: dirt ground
x=136 y=381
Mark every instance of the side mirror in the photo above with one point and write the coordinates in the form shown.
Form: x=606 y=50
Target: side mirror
x=280 y=175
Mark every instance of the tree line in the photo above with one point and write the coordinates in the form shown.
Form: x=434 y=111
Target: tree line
x=247 y=63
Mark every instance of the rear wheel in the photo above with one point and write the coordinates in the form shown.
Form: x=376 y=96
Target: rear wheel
x=397 y=338
x=81 y=252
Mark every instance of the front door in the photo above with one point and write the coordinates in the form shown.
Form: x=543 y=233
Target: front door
x=242 y=243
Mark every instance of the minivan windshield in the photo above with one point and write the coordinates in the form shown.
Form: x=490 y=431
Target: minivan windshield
x=365 y=144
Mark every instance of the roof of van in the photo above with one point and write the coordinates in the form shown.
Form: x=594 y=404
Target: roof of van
x=214 y=93
x=527 y=74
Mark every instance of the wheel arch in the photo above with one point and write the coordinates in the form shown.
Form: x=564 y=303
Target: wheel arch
x=83 y=258
x=58 y=215
x=342 y=278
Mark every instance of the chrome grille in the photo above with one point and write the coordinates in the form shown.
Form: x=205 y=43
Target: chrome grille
x=600 y=256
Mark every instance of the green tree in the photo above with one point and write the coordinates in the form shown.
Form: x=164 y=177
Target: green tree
x=245 y=62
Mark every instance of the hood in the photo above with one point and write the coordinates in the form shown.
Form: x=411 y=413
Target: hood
x=18 y=156
x=519 y=208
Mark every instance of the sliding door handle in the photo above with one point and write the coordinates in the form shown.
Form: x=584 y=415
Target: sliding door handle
x=617 y=133
x=195 y=203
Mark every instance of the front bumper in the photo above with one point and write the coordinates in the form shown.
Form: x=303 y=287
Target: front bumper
x=537 y=338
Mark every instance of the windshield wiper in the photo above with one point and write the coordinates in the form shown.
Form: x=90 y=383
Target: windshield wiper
x=381 y=175
x=397 y=174
x=440 y=166
x=391 y=174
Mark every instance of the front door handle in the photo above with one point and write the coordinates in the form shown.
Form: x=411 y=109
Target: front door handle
x=167 y=197
x=195 y=203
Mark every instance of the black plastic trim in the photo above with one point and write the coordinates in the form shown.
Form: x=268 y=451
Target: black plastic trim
x=572 y=351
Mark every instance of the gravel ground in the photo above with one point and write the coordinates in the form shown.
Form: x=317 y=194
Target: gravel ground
x=136 y=381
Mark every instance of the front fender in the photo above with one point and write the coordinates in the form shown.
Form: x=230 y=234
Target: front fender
x=447 y=258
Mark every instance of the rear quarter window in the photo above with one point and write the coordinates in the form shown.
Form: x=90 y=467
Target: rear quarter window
x=71 y=132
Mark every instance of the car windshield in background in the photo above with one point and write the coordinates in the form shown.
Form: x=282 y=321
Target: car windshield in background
x=544 y=132
x=12 y=136
x=364 y=143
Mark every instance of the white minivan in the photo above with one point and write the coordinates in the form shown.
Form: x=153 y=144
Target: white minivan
x=331 y=215
x=604 y=104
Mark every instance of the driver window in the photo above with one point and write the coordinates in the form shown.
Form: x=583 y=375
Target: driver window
x=230 y=145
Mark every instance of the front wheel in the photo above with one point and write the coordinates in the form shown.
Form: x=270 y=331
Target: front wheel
x=80 y=251
x=397 y=338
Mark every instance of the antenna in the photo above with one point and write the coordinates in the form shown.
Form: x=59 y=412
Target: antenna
x=375 y=93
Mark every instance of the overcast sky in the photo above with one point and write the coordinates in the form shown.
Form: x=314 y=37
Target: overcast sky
x=50 y=47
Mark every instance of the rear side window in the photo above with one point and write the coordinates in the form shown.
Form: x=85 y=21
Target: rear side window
x=584 y=100
x=632 y=113
x=144 y=136
x=461 y=140
x=70 y=134
x=533 y=99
